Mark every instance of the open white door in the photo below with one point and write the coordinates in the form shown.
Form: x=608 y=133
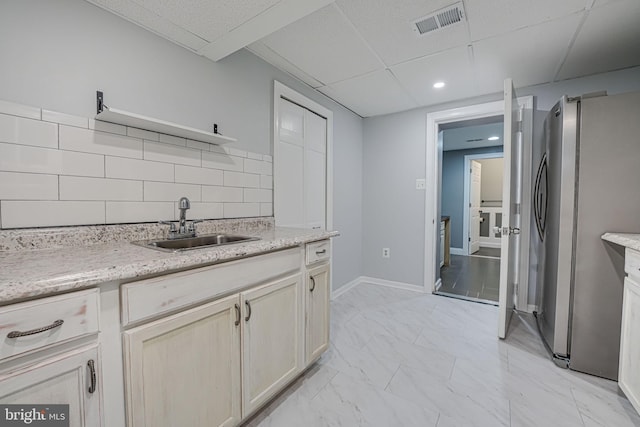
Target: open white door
x=474 y=207
x=511 y=206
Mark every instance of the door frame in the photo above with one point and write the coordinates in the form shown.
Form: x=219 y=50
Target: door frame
x=467 y=193
x=433 y=177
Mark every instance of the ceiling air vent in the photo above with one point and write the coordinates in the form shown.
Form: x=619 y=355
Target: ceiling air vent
x=446 y=17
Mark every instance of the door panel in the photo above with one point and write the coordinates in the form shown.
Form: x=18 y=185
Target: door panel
x=289 y=186
x=511 y=203
x=474 y=208
x=317 y=296
x=315 y=193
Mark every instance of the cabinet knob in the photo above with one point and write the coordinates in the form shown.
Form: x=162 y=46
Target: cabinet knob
x=313 y=283
x=237 y=314
x=17 y=334
x=248 y=310
x=92 y=375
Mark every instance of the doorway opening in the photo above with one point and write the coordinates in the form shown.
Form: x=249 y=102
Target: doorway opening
x=470 y=204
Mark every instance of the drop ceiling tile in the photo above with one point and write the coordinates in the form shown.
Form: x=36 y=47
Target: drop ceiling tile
x=371 y=95
x=205 y=18
x=325 y=46
x=148 y=19
x=388 y=27
x=608 y=40
x=488 y=18
x=529 y=56
x=259 y=49
x=452 y=67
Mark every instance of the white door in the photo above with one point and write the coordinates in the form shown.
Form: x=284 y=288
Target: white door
x=317 y=304
x=474 y=207
x=272 y=339
x=511 y=205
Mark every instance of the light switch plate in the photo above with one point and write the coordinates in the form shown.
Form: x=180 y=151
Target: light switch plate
x=421 y=184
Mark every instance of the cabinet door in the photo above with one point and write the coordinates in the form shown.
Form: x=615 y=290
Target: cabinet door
x=271 y=339
x=317 y=312
x=65 y=379
x=629 y=371
x=184 y=370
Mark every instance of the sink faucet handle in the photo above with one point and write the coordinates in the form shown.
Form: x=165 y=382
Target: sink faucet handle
x=171 y=224
x=192 y=225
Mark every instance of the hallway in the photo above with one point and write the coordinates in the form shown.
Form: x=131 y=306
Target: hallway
x=472 y=277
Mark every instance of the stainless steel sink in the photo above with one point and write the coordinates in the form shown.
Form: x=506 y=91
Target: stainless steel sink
x=176 y=245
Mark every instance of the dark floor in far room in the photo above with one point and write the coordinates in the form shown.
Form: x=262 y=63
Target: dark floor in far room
x=471 y=277
x=492 y=252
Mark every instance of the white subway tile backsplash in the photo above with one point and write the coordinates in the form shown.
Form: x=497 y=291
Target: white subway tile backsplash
x=14 y=109
x=266 y=181
x=18 y=130
x=170 y=139
x=80 y=188
x=240 y=210
x=169 y=192
x=257 y=195
x=240 y=179
x=221 y=161
x=20 y=158
x=58 y=169
x=144 y=170
x=221 y=194
x=258 y=167
x=28 y=186
x=266 y=209
x=195 y=175
x=171 y=154
x=107 y=127
x=201 y=210
x=119 y=212
x=65 y=119
x=17 y=214
x=89 y=141
x=142 y=134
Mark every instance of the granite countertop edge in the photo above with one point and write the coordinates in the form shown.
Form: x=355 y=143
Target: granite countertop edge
x=629 y=240
x=32 y=274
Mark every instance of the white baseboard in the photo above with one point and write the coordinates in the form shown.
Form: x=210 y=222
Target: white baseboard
x=391 y=284
x=531 y=308
x=457 y=251
x=346 y=287
x=484 y=244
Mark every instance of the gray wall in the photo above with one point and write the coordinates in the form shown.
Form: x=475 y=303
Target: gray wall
x=394 y=210
x=56 y=54
x=453 y=188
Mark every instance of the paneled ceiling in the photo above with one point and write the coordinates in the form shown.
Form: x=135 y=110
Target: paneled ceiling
x=367 y=55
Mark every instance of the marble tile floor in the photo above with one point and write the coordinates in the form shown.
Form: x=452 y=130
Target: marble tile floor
x=471 y=277
x=401 y=358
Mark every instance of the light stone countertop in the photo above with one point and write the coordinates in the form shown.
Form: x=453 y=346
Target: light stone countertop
x=627 y=240
x=35 y=273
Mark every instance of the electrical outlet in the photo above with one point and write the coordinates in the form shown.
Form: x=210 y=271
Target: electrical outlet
x=421 y=184
x=386 y=253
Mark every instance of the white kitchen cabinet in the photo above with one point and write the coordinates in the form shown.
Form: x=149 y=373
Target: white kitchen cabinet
x=629 y=368
x=185 y=369
x=71 y=378
x=271 y=339
x=317 y=312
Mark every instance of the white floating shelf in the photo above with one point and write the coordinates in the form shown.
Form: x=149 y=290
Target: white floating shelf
x=126 y=118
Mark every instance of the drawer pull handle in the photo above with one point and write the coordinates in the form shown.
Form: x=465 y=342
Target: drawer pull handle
x=237 y=315
x=92 y=373
x=248 y=311
x=18 y=334
x=313 y=283
x=324 y=251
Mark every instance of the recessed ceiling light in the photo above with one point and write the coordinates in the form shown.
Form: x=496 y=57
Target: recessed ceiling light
x=438 y=85
x=493 y=138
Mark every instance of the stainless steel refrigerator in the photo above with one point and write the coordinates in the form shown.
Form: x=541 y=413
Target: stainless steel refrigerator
x=587 y=183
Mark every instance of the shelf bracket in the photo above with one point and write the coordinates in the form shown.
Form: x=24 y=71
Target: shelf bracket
x=99 y=102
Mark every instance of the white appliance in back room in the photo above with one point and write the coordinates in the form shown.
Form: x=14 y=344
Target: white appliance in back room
x=588 y=183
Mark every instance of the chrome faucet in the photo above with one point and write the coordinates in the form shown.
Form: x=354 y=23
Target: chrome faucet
x=182 y=230
x=183 y=205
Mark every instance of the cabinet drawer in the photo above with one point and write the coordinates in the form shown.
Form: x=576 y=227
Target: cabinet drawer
x=318 y=251
x=632 y=263
x=58 y=319
x=149 y=298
